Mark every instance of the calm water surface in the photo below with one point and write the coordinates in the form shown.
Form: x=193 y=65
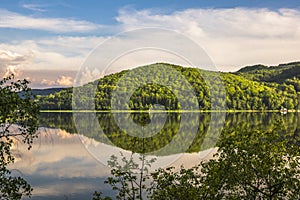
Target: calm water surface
x=68 y=161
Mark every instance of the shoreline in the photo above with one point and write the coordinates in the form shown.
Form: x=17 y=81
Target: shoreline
x=167 y=111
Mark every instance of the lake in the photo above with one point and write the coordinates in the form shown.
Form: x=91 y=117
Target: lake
x=68 y=160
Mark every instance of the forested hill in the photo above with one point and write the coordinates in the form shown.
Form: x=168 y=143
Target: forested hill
x=283 y=74
x=251 y=88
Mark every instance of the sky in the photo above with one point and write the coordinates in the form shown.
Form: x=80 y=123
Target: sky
x=48 y=42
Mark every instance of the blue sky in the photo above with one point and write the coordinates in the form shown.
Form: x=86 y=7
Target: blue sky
x=46 y=41
x=104 y=12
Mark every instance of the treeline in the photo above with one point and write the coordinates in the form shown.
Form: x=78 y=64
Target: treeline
x=61 y=100
x=171 y=86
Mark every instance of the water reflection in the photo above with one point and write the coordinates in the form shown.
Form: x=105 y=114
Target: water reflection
x=164 y=127
x=59 y=166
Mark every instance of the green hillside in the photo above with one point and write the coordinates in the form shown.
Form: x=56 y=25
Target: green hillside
x=288 y=74
x=251 y=88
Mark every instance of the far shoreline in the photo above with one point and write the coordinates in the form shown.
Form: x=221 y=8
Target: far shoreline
x=167 y=111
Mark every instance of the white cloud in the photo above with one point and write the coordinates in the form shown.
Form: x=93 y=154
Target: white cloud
x=87 y=75
x=65 y=81
x=14 y=20
x=34 y=7
x=69 y=45
x=10 y=62
x=235 y=22
x=61 y=81
x=13 y=58
x=56 y=53
x=49 y=78
x=11 y=69
x=47 y=82
x=232 y=37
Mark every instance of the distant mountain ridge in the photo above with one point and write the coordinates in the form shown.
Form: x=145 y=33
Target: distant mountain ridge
x=45 y=92
x=277 y=74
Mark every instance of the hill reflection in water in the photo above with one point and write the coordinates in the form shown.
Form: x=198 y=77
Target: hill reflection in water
x=125 y=130
x=62 y=164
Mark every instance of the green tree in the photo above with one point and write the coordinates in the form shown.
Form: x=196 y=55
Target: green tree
x=168 y=184
x=18 y=121
x=128 y=177
x=248 y=165
x=253 y=165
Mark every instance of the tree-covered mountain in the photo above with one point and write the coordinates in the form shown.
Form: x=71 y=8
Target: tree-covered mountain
x=287 y=74
x=251 y=88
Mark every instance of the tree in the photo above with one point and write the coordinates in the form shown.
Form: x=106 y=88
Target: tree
x=128 y=177
x=168 y=184
x=18 y=121
x=248 y=165
x=253 y=165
